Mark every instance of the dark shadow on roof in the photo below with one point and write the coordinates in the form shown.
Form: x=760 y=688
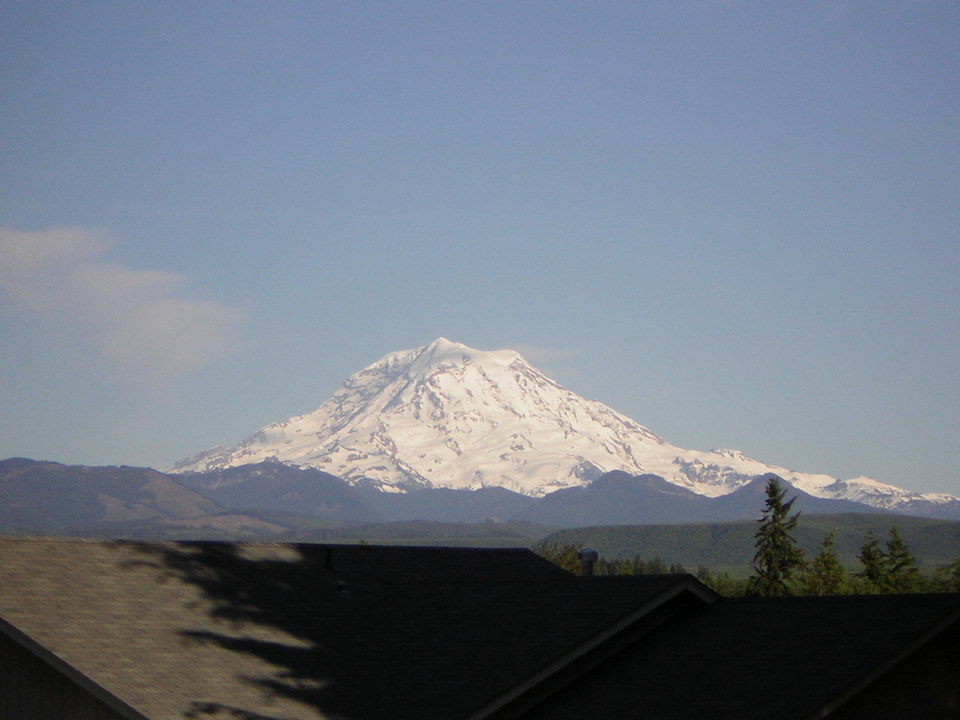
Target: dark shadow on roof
x=365 y=631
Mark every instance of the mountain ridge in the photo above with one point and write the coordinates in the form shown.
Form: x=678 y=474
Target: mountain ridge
x=46 y=496
x=270 y=499
x=445 y=415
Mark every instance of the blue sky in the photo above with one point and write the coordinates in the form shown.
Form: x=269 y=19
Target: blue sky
x=735 y=222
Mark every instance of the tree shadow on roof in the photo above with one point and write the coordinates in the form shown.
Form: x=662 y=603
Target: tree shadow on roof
x=356 y=632
x=287 y=608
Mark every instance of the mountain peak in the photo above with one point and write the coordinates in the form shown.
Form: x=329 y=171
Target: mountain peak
x=445 y=415
x=442 y=345
x=448 y=415
x=442 y=351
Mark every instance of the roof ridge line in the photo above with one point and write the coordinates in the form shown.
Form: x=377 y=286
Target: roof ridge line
x=685 y=584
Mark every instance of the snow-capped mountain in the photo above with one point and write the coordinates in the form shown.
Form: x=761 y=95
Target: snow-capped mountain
x=447 y=416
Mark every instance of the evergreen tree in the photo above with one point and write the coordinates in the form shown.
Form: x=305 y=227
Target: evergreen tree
x=825 y=575
x=903 y=575
x=948 y=578
x=874 y=562
x=657 y=567
x=893 y=570
x=723 y=584
x=778 y=558
x=564 y=555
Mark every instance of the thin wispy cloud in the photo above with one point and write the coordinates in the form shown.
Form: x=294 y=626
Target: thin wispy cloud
x=554 y=361
x=540 y=354
x=139 y=321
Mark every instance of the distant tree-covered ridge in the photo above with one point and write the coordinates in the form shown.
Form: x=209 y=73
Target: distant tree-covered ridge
x=729 y=547
x=836 y=580
x=780 y=564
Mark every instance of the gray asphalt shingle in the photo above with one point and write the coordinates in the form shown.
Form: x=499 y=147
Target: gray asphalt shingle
x=303 y=631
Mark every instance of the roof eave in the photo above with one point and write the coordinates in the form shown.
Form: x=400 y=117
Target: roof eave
x=69 y=671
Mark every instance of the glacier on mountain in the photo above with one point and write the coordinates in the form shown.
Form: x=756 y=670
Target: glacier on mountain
x=445 y=415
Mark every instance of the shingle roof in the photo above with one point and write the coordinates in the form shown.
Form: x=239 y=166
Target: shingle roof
x=179 y=630
x=759 y=659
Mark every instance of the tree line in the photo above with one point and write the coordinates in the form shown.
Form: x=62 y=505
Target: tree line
x=780 y=566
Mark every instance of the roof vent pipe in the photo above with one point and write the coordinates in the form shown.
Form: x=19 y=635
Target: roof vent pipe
x=587 y=558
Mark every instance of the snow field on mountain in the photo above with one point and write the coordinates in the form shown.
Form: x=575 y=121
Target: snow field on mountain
x=448 y=416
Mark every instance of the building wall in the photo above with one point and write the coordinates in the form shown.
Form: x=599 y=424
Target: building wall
x=32 y=690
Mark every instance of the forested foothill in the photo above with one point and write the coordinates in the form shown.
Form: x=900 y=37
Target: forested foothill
x=782 y=564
